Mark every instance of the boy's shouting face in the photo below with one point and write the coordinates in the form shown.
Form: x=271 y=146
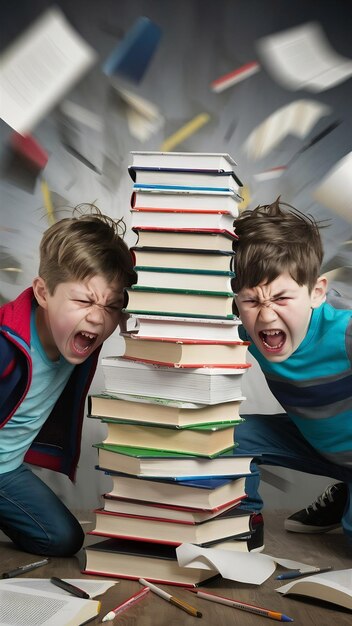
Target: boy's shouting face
x=276 y=315
x=78 y=317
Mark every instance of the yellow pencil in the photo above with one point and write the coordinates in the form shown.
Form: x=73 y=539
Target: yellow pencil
x=185 y=131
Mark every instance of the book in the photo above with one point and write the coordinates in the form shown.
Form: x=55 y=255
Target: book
x=211 y=304
x=180 y=218
x=185 y=200
x=193 y=239
x=183 y=258
x=192 y=160
x=204 y=385
x=183 y=327
x=186 y=179
x=175 y=278
x=21 y=603
x=123 y=558
x=139 y=409
x=206 y=440
x=228 y=524
x=163 y=464
x=163 y=511
x=185 y=352
x=50 y=49
x=208 y=494
x=334 y=587
x=131 y=57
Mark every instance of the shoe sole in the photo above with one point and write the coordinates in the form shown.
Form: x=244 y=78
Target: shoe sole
x=297 y=527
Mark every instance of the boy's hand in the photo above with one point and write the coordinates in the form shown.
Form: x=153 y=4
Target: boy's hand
x=123 y=322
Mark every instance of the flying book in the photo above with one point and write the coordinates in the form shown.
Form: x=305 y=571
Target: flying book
x=191 y=239
x=180 y=302
x=139 y=409
x=188 y=179
x=206 y=440
x=176 y=278
x=191 y=160
x=162 y=464
x=183 y=258
x=185 y=352
x=228 y=524
x=132 y=55
x=210 y=494
x=121 y=558
x=202 y=220
x=334 y=587
x=39 y=67
x=186 y=200
x=164 y=511
x=183 y=327
x=204 y=385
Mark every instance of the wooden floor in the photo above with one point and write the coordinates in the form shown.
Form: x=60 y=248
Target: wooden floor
x=329 y=549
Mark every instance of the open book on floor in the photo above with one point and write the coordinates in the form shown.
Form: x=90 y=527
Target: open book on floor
x=22 y=604
x=334 y=587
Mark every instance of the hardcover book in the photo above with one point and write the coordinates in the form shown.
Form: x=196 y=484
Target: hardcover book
x=181 y=178
x=184 y=327
x=183 y=258
x=203 y=493
x=175 y=278
x=185 y=352
x=180 y=218
x=205 y=440
x=140 y=409
x=203 y=385
x=121 y=558
x=193 y=239
x=185 y=200
x=163 y=464
x=141 y=528
x=180 y=302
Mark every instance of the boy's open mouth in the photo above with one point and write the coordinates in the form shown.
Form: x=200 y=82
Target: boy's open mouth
x=82 y=341
x=273 y=340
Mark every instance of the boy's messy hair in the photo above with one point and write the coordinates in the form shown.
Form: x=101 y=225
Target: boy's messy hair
x=273 y=240
x=84 y=245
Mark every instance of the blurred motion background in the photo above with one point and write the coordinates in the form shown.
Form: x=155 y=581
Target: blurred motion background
x=88 y=133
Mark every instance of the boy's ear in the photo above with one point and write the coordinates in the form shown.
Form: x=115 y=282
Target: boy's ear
x=40 y=291
x=319 y=292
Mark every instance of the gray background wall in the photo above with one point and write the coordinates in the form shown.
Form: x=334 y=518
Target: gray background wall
x=202 y=40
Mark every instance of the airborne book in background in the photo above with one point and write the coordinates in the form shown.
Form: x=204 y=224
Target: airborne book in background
x=232 y=522
x=123 y=558
x=182 y=302
x=193 y=239
x=205 y=494
x=203 y=385
x=183 y=258
x=185 y=352
x=163 y=464
x=186 y=179
x=184 y=327
x=206 y=440
x=140 y=409
x=175 y=278
x=187 y=201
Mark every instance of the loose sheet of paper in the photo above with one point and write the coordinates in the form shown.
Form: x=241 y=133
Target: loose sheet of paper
x=252 y=567
x=335 y=190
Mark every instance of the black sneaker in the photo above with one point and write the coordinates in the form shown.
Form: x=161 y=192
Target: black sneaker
x=322 y=515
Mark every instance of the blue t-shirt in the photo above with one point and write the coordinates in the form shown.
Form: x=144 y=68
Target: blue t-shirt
x=314 y=385
x=48 y=381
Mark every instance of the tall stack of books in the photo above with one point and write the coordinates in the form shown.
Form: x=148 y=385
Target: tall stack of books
x=171 y=402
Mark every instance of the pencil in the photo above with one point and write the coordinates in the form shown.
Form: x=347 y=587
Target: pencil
x=169 y=598
x=243 y=606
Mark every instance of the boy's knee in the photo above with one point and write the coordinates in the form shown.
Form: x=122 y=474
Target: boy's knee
x=62 y=541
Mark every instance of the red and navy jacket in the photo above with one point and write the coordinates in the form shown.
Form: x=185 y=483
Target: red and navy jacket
x=57 y=445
